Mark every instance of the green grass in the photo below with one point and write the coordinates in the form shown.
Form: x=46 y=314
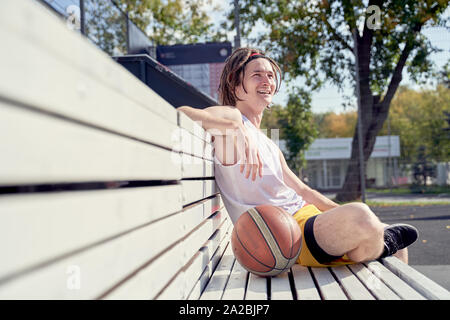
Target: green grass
x=413 y=189
x=407 y=203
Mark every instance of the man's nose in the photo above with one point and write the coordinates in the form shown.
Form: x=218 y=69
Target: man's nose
x=265 y=79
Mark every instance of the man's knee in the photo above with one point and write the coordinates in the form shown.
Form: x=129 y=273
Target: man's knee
x=365 y=221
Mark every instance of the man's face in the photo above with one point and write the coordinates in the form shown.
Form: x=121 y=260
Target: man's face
x=259 y=82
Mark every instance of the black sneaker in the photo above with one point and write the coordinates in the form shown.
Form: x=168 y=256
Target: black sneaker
x=398 y=236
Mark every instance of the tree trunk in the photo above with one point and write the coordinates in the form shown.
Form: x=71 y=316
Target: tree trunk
x=351 y=189
x=374 y=111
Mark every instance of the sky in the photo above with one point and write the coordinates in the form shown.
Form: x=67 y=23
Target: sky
x=328 y=98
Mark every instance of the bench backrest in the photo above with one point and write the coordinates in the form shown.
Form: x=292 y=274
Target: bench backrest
x=106 y=191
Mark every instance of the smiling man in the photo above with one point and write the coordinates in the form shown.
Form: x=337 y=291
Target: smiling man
x=251 y=170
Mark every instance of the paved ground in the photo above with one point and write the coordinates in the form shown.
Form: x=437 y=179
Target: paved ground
x=430 y=254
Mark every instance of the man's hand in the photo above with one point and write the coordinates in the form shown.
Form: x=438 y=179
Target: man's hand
x=248 y=154
x=232 y=141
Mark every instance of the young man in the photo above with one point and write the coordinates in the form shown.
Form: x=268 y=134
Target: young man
x=251 y=170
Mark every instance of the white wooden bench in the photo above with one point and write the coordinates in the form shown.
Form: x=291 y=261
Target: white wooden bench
x=107 y=192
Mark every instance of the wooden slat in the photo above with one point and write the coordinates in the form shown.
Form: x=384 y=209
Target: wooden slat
x=195 y=167
x=304 y=284
x=210 y=188
x=401 y=288
x=209 y=168
x=216 y=285
x=44 y=226
x=193 y=127
x=237 y=283
x=350 y=283
x=82 y=83
x=191 y=144
x=152 y=278
x=40 y=149
x=196 y=190
x=107 y=263
x=425 y=286
x=213 y=205
x=256 y=288
x=182 y=284
x=281 y=288
x=373 y=282
x=329 y=288
x=195 y=286
x=192 y=167
x=193 y=190
x=36 y=24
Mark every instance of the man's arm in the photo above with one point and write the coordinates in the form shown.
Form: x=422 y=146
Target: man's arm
x=311 y=196
x=231 y=140
x=217 y=120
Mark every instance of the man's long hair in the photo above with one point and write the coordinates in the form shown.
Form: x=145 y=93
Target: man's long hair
x=234 y=71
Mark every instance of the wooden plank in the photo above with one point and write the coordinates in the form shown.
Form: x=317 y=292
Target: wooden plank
x=216 y=285
x=45 y=226
x=237 y=283
x=197 y=286
x=192 y=167
x=329 y=288
x=425 y=286
x=149 y=280
x=256 y=288
x=208 y=152
x=209 y=168
x=193 y=191
x=105 y=264
x=304 y=283
x=401 y=288
x=39 y=149
x=191 y=144
x=281 y=288
x=373 y=282
x=30 y=21
x=98 y=97
x=354 y=289
x=210 y=188
x=193 y=127
x=183 y=282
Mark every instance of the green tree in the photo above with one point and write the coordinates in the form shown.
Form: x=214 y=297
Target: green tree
x=418 y=118
x=336 y=125
x=315 y=40
x=173 y=21
x=106 y=27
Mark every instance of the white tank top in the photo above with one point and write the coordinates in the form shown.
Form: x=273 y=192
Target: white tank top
x=240 y=194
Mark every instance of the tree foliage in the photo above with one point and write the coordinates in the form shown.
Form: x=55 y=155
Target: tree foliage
x=336 y=125
x=318 y=40
x=296 y=127
x=418 y=117
x=173 y=21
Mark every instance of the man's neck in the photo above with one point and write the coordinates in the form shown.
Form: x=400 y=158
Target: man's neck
x=254 y=118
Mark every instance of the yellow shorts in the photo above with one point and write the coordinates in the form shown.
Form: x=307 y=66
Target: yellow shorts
x=311 y=255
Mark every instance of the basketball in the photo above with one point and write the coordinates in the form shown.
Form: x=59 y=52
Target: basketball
x=266 y=240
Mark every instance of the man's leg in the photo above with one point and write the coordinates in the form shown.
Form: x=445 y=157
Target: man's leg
x=351 y=229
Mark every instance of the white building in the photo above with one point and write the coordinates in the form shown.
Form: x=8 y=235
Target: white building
x=327 y=161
